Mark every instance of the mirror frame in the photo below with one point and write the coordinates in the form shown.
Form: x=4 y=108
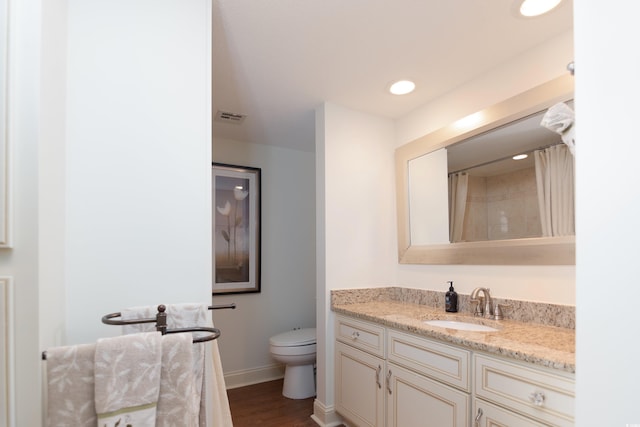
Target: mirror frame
x=528 y=251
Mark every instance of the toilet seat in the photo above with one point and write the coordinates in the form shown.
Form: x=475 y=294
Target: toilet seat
x=299 y=350
x=294 y=338
x=296 y=349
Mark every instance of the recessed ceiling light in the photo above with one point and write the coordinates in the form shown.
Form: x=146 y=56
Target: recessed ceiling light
x=520 y=157
x=402 y=87
x=537 y=7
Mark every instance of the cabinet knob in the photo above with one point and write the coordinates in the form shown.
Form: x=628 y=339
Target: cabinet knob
x=378 y=376
x=537 y=398
x=355 y=335
x=389 y=381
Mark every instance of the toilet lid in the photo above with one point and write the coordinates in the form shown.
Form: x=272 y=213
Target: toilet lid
x=293 y=338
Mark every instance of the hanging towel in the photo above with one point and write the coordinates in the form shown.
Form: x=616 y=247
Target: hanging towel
x=70 y=386
x=127 y=379
x=560 y=119
x=215 y=399
x=207 y=366
x=177 y=404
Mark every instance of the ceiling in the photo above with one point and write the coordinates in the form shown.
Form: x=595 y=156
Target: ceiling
x=275 y=61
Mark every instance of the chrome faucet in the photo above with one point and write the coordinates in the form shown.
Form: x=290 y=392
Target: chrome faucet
x=488 y=303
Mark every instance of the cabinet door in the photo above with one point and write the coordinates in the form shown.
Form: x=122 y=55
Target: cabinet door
x=359 y=379
x=487 y=415
x=416 y=401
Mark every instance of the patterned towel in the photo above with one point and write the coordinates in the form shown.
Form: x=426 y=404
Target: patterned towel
x=177 y=406
x=70 y=386
x=127 y=379
x=211 y=396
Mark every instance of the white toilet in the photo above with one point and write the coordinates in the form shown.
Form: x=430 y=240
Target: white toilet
x=297 y=350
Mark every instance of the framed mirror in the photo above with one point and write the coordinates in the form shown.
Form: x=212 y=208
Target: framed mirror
x=423 y=189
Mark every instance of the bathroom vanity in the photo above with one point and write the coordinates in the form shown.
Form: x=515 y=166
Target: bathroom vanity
x=392 y=369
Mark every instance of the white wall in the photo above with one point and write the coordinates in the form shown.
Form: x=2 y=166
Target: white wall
x=534 y=283
x=538 y=65
x=287 y=298
x=138 y=191
x=355 y=213
x=110 y=132
x=608 y=208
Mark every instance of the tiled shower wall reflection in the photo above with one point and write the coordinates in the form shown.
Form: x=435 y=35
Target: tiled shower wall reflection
x=502 y=207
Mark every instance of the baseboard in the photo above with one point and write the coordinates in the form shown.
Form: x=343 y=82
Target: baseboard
x=325 y=416
x=245 y=377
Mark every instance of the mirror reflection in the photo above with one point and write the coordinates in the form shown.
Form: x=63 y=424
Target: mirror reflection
x=497 y=215
x=513 y=182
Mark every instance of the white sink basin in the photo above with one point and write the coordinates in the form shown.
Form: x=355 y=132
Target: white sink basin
x=462 y=326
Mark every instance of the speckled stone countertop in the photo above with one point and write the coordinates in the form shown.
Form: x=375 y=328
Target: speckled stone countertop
x=539 y=344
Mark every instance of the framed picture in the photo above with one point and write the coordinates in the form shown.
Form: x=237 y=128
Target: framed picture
x=236 y=229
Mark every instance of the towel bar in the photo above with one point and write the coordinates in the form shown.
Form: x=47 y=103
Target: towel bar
x=161 y=324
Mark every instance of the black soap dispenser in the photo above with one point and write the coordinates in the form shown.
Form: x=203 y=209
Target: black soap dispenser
x=451 y=300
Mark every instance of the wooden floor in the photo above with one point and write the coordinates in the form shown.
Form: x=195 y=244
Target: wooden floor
x=264 y=405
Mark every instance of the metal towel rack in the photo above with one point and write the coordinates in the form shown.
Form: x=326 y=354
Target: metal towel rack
x=161 y=324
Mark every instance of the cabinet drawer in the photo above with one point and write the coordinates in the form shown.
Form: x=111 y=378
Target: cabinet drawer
x=363 y=335
x=439 y=361
x=486 y=414
x=537 y=393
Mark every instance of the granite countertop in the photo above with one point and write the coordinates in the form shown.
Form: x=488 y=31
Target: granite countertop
x=549 y=346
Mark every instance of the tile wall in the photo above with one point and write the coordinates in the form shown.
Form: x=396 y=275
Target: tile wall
x=502 y=207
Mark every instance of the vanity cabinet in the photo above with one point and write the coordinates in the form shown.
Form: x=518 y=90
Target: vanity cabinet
x=359 y=371
x=390 y=385
x=387 y=377
x=539 y=396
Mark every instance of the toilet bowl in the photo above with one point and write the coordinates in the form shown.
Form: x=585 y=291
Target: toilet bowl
x=297 y=351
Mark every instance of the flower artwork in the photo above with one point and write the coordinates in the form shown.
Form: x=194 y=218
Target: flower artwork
x=234 y=221
x=236 y=230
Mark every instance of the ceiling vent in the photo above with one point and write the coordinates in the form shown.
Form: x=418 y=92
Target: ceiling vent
x=227 y=117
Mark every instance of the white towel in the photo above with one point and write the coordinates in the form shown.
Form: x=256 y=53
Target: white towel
x=217 y=413
x=70 y=386
x=207 y=366
x=560 y=118
x=177 y=405
x=127 y=379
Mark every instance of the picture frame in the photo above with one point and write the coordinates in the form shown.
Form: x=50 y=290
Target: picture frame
x=236 y=228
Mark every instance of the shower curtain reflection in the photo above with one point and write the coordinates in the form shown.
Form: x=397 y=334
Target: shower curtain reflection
x=554 y=177
x=458 y=187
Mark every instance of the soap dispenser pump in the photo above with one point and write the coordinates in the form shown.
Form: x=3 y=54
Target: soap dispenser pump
x=451 y=300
